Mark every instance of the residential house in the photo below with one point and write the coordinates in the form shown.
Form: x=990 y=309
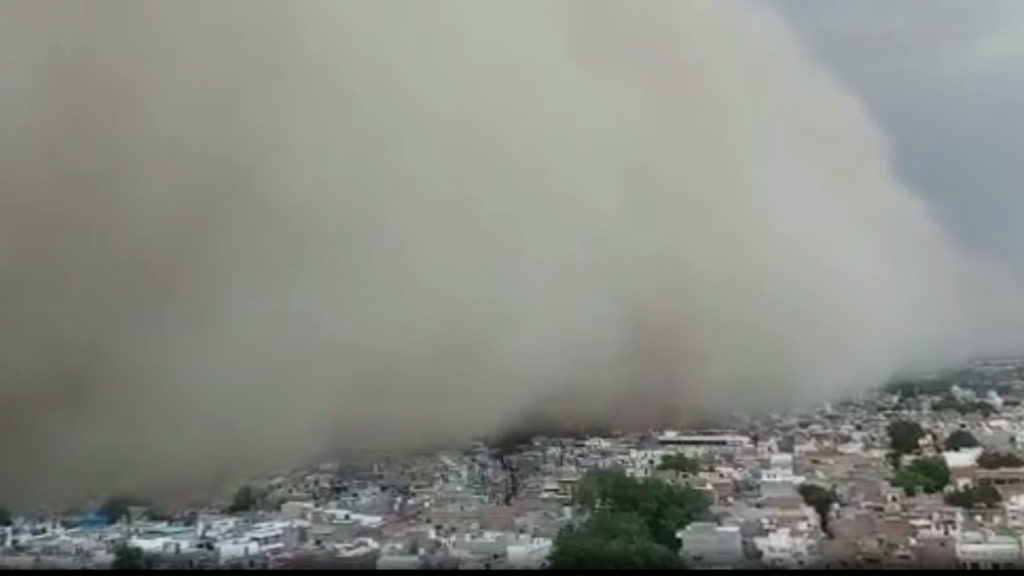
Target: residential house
x=708 y=545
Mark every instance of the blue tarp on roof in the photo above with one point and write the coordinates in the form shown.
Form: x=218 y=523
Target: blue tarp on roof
x=94 y=520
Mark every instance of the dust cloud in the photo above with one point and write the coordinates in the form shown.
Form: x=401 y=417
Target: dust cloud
x=236 y=234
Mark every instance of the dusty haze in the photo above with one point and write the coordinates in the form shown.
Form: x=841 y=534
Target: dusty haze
x=236 y=233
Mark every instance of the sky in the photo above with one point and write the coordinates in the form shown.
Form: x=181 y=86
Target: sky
x=237 y=235
x=945 y=80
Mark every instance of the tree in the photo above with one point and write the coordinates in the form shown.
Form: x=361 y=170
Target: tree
x=116 y=507
x=983 y=496
x=787 y=444
x=894 y=459
x=664 y=507
x=963 y=407
x=821 y=500
x=630 y=523
x=679 y=463
x=928 y=475
x=960 y=498
x=992 y=460
x=129 y=558
x=905 y=436
x=5 y=516
x=611 y=541
x=959 y=440
x=987 y=495
x=245 y=499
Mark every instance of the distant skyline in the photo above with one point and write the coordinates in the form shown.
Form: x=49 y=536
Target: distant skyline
x=944 y=79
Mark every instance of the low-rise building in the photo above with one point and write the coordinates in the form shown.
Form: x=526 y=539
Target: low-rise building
x=987 y=551
x=707 y=545
x=529 y=554
x=705 y=443
x=1008 y=481
x=778 y=479
x=782 y=549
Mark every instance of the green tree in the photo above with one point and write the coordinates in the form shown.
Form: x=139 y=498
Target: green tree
x=5 y=516
x=987 y=495
x=664 y=507
x=245 y=499
x=821 y=500
x=992 y=460
x=928 y=475
x=129 y=558
x=611 y=541
x=905 y=436
x=679 y=463
x=959 y=440
x=630 y=523
x=983 y=496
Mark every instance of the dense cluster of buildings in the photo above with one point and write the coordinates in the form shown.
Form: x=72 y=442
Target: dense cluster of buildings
x=482 y=509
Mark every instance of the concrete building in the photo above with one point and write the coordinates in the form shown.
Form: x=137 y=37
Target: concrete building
x=711 y=443
x=1013 y=511
x=994 y=400
x=778 y=479
x=529 y=554
x=782 y=549
x=707 y=545
x=400 y=562
x=1008 y=481
x=987 y=551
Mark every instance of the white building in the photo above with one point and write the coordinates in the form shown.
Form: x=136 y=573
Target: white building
x=993 y=400
x=392 y=561
x=214 y=526
x=705 y=544
x=269 y=539
x=851 y=448
x=961 y=394
x=987 y=551
x=357 y=548
x=297 y=509
x=529 y=554
x=1013 y=509
x=342 y=516
x=964 y=458
x=961 y=464
x=643 y=463
x=781 y=549
x=704 y=443
x=163 y=544
x=778 y=479
x=236 y=549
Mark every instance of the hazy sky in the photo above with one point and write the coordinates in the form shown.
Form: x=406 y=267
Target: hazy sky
x=945 y=79
x=237 y=234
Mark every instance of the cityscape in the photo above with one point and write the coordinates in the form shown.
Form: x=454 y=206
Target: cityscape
x=511 y=285
x=924 y=472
